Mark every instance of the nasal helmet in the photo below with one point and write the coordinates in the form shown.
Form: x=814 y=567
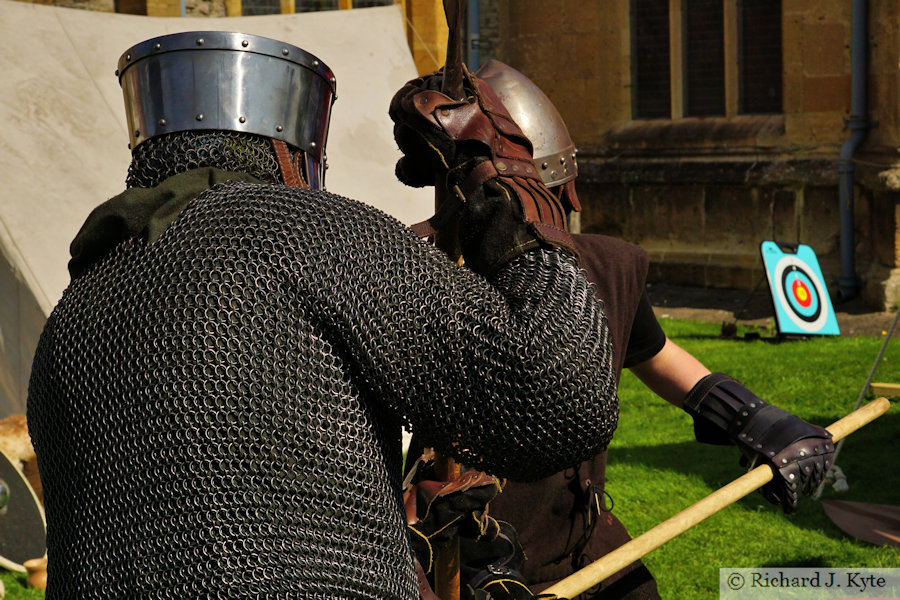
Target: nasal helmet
x=531 y=109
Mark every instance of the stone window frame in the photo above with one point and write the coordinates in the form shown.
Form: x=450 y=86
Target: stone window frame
x=274 y=7
x=734 y=70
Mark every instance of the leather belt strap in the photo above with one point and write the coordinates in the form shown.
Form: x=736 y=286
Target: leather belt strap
x=475 y=179
x=288 y=165
x=431 y=226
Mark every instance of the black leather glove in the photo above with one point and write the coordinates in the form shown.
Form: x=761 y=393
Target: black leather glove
x=491 y=566
x=427 y=150
x=438 y=511
x=478 y=153
x=502 y=587
x=799 y=453
x=501 y=592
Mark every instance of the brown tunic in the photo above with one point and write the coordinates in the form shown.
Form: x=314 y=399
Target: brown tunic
x=550 y=515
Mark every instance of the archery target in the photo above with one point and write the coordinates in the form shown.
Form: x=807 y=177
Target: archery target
x=802 y=304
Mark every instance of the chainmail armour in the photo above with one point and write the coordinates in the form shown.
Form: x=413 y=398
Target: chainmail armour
x=217 y=414
x=161 y=157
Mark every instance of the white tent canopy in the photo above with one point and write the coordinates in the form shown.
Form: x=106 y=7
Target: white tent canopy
x=63 y=146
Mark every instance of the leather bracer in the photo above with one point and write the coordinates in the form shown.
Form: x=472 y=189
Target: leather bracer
x=725 y=411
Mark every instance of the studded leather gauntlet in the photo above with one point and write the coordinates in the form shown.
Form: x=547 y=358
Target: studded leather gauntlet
x=474 y=148
x=799 y=453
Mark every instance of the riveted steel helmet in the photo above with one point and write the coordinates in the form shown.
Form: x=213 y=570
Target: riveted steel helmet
x=554 y=151
x=213 y=80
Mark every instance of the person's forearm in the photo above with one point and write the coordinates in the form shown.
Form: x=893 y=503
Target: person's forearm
x=672 y=373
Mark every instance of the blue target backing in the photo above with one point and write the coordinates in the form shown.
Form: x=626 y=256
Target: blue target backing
x=802 y=304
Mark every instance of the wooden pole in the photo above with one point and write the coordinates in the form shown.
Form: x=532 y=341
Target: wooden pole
x=623 y=556
x=446 y=560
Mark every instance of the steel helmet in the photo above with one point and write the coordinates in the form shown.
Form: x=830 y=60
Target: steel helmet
x=554 y=151
x=213 y=80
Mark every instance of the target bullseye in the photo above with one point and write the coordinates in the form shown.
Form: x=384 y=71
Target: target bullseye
x=792 y=274
x=801 y=293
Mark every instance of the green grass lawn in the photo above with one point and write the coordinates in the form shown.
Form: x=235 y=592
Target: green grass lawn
x=16 y=588
x=657 y=470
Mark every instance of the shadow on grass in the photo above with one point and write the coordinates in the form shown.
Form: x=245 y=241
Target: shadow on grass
x=747 y=337
x=868 y=460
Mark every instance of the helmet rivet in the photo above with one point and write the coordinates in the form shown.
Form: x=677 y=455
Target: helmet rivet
x=315 y=63
x=242 y=119
x=137 y=133
x=200 y=117
x=501 y=166
x=279 y=128
x=200 y=41
x=245 y=43
x=562 y=160
x=157 y=46
x=312 y=144
x=554 y=175
x=162 y=122
x=127 y=57
x=117 y=72
x=284 y=51
x=544 y=165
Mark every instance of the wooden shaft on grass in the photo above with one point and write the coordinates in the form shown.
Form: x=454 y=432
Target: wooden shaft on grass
x=623 y=556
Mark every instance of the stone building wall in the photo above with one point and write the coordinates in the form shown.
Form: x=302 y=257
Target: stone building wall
x=98 y=5
x=701 y=194
x=203 y=8
x=193 y=8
